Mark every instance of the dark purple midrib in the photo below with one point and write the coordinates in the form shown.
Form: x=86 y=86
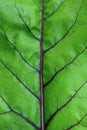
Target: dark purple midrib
x=41 y=69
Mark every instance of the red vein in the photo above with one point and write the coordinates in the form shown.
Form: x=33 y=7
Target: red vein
x=41 y=69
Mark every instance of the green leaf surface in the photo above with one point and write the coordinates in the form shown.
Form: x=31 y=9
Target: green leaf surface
x=60 y=27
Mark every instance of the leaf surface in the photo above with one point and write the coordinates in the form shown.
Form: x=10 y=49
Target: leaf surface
x=60 y=28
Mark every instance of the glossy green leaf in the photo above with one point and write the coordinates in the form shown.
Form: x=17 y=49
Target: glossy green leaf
x=43 y=54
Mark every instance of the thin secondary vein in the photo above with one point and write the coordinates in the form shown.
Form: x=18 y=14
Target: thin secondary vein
x=25 y=24
x=18 y=79
x=19 y=52
x=57 y=42
x=51 y=14
x=20 y=115
x=77 y=123
x=66 y=65
x=7 y=112
x=65 y=104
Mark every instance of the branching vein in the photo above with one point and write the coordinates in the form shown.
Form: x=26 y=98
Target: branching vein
x=51 y=14
x=18 y=79
x=66 y=65
x=20 y=115
x=57 y=42
x=7 y=112
x=15 y=48
x=77 y=123
x=65 y=104
x=25 y=24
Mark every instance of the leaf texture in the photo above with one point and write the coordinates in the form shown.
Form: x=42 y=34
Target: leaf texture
x=43 y=65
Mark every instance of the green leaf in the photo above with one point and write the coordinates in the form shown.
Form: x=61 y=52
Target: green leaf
x=43 y=65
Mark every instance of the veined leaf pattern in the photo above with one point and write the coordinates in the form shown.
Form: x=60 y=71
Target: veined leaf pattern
x=43 y=65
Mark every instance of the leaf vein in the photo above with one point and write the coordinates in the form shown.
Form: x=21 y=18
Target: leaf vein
x=20 y=115
x=66 y=65
x=65 y=104
x=18 y=79
x=57 y=42
x=25 y=24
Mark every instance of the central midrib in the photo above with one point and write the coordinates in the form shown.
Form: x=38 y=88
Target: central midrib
x=41 y=70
